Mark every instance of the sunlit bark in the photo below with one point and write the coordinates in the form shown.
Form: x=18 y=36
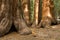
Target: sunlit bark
x=46 y=9
x=36 y=10
x=47 y=17
x=25 y=7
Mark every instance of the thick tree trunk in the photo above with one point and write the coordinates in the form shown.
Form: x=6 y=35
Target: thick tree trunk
x=5 y=17
x=47 y=17
x=46 y=9
x=19 y=21
x=25 y=8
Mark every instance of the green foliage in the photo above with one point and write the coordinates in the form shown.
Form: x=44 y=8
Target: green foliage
x=31 y=10
x=57 y=7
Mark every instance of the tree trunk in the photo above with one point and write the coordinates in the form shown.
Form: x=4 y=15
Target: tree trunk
x=5 y=17
x=31 y=11
x=19 y=20
x=47 y=17
x=25 y=8
x=36 y=12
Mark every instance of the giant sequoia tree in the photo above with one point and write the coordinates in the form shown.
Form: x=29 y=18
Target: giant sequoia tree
x=19 y=18
x=5 y=16
x=47 y=15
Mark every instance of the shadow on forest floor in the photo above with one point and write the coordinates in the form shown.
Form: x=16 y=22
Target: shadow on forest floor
x=38 y=34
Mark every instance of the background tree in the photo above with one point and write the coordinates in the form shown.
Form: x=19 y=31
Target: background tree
x=57 y=9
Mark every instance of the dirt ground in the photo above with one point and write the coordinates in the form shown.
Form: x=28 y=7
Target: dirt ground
x=38 y=34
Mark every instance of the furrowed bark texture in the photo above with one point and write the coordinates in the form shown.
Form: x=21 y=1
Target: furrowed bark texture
x=19 y=21
x=25 y=8
x=5 y=17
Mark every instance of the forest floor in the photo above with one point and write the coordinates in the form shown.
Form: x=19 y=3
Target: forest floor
x=38 y=34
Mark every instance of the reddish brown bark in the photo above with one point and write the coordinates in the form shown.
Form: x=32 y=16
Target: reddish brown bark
x=36 y=10
x=46 y=9
x=47 y=17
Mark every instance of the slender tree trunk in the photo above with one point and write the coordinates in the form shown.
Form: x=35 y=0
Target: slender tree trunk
x=36 y=10
x=31 y=11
